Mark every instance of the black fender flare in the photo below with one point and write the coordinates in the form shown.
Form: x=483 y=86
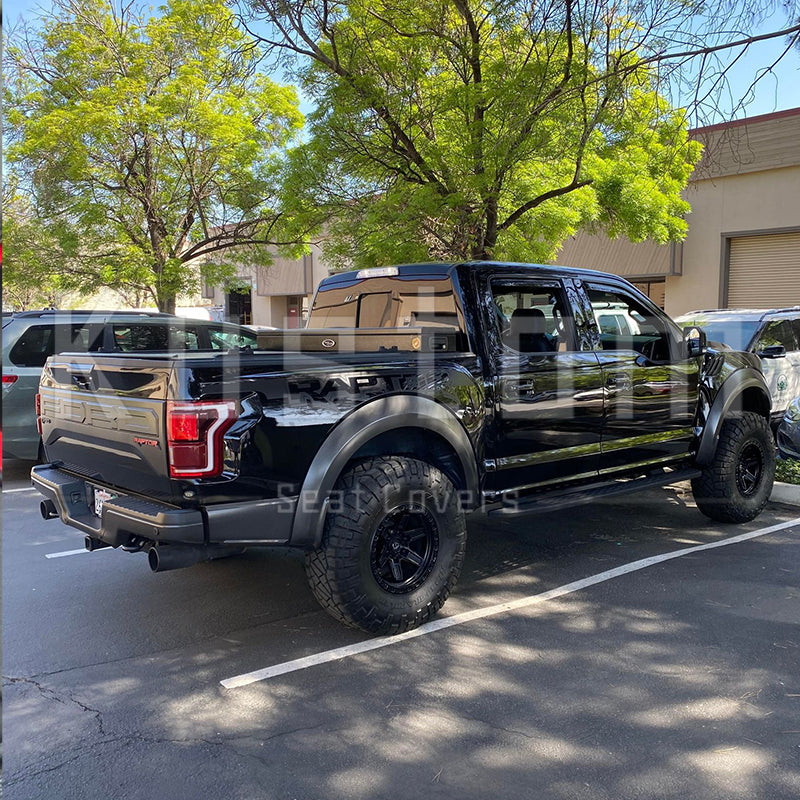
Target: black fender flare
x=731 y=390
x=355 y=430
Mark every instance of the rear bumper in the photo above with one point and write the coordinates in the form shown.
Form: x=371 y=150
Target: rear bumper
x=128 y=520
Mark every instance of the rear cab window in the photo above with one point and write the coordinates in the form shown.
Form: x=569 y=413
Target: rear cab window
x=390 y=301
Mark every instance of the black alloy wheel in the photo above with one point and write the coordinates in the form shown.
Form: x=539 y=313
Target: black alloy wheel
x=392 y=546
x=749 y=469
x=404 y=549
x=736 y=485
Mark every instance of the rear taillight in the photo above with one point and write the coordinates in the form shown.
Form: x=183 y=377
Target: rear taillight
x=8 y=380
x=194 y=437
x=38 y=404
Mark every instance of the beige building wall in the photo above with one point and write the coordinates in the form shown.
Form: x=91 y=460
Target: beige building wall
x=279 y=292
x=755 y=201
x=748 y=182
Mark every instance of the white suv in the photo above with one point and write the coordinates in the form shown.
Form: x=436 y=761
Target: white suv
x=772 y=334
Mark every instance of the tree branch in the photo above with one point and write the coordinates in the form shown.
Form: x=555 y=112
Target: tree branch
x=537 y=201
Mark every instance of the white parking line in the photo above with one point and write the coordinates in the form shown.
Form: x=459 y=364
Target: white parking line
x=24 y=489
x=488 y=611
x=75 y=552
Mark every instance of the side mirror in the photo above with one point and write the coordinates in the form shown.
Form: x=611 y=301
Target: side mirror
x=695 y=340
x=772 y=351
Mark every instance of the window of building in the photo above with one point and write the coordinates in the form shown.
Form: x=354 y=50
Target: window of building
x=655 y=290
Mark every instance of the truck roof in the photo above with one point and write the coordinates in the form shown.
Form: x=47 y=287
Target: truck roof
x=443 y=269
x=742 y=314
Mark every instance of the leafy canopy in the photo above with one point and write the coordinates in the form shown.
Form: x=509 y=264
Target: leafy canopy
x=469 y=129
x=149 y=140
x=28 y=276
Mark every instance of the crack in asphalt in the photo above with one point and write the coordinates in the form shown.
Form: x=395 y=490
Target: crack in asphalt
x=227 y=742
x=494 y=726
x=38 y=768
x=51 y=694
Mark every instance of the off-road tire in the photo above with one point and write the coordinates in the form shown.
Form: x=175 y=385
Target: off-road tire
x=722 y=492
x=354 y=575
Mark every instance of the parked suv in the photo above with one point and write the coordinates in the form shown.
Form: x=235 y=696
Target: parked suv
x=773 y=335
x=30 y=337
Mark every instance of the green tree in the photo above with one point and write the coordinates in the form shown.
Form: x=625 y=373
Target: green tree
x=473 y=129
x=150 y=141
x=29 y=277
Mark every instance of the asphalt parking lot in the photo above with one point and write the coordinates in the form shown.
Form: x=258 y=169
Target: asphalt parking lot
x=677 y=679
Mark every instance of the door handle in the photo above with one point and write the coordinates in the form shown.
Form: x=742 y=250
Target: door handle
x=621 y=382
x=523 y=388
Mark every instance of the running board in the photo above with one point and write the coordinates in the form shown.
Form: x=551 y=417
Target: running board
x=586 y=494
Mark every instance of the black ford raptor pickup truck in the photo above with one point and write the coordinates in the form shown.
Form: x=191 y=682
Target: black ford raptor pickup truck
x=415 y=395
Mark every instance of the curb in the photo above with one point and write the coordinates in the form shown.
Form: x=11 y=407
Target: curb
x=786 y=493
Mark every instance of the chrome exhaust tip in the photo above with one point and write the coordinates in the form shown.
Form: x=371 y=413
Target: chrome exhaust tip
x=48 y=509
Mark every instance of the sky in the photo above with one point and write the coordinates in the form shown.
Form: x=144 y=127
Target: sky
x=775 y=92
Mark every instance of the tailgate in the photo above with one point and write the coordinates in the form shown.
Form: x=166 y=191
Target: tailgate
x=103 y=417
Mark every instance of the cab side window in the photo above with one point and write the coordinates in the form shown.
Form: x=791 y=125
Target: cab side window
x=626 y=324
x=778 y=332
x=532 y=319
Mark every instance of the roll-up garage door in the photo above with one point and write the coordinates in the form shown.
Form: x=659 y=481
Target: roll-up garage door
x=764 y=271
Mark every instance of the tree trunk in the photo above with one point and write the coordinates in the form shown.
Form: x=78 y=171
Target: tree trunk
x=167 y=304
x=490 y=239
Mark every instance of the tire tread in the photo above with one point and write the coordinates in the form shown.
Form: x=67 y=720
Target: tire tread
x=715 y=489
x=333 y=568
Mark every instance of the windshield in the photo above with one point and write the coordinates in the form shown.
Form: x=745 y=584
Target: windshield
x=736 y=333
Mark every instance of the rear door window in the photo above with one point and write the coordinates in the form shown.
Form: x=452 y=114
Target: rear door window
x=139 y=337
x=39 y=342
x=532 y=318
x=796 y=329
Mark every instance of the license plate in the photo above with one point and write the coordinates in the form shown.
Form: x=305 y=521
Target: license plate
x=100 y=497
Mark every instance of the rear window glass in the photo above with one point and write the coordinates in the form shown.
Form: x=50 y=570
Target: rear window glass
x=385 y=303
x=140 y=337
x=38 y=342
